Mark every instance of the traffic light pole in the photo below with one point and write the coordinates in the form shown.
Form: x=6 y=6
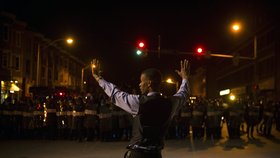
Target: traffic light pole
x=175 y=52
x=158 y=46
x=230 y=56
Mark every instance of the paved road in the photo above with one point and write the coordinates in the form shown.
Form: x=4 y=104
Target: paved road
x=248 y=148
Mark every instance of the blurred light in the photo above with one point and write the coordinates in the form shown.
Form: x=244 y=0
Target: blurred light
x=169 y=80
x=14 y=88
x=141 y=44
x=192 y=98
x=139 y=52
x=236 y=27
x=232 y=97
x=69 y=40
x=204 y=80
x=224 y=92
x=199 y=50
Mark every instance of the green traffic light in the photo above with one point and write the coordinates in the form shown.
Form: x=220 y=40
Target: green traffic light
x=139 y=52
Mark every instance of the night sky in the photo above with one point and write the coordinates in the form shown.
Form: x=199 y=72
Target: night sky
x=110 y=30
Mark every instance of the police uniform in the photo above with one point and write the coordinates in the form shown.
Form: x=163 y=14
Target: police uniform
x=277 y=116
x=213 y=121
x=252 y=114
x=78 y=119
x=51 y=119
x=268 y=116
x=184 y=121
x=234 y=118
x=198 y=120
x=61 y=115
x=105 y=121
x=91 y=120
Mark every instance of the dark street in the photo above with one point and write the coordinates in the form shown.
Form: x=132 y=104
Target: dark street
x=260 y=147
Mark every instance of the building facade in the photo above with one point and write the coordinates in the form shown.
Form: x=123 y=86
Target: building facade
x=257 y=77
x=28 y=59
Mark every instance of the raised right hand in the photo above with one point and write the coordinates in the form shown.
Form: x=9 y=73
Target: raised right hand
x=185 y=69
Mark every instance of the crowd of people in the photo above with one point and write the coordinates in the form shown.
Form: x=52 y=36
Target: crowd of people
x=94 y=118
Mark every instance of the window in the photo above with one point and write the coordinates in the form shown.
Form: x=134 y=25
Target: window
x=18 y=38
x=6 y=32
x=16 y=62
x=27 y=67
x=4 y=60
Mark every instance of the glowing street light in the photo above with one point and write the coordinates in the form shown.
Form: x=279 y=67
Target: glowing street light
x=169 y=80
x=69 y=40
x=236 y=27
x=232 y=97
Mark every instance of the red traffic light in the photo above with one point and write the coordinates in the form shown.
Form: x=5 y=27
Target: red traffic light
x=141 y=44
x=199 y=50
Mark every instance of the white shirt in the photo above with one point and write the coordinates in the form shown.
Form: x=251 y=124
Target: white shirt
x=130 y=102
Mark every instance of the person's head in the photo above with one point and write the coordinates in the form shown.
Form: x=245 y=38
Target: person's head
x=150 y=80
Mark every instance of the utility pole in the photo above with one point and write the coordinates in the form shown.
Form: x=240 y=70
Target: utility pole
x=51 y=43
x=158 y=46
x=82 y=76
x=255 y=68
x=38 y=65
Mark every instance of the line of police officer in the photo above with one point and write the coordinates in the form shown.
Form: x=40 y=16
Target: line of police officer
x=205 y=118
x=95 y=118
x=64 y=118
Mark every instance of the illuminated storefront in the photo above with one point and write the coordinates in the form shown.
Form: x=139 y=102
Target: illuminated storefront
x=9 y=88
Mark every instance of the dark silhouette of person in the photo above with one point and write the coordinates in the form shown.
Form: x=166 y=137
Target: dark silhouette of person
x=152 y=112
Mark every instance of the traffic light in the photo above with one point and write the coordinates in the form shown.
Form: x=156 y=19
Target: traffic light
x=141 y=49
x=141 y=45
x=199 y=51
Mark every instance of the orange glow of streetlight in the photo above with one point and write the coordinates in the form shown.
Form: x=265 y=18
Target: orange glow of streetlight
x=236 y=27
x=93 y=66
x=69 y=40
x=169 y=80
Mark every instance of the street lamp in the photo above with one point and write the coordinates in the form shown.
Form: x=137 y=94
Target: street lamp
x=82 y=75
x=68 y=41
x=236 y=28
